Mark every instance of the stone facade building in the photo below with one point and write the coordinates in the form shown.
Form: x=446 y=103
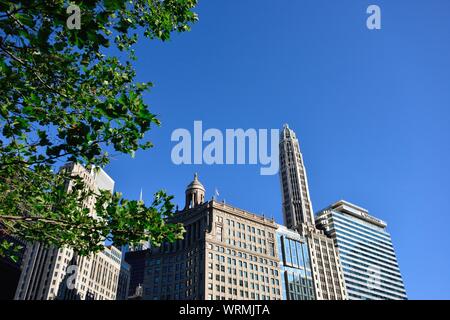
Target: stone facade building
x=298 y=215
x=227 y=253
x=52 y=273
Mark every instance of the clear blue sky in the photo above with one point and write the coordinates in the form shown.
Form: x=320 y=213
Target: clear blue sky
x=371 y=110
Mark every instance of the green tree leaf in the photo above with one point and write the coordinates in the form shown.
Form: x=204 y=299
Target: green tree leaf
x=64 y=99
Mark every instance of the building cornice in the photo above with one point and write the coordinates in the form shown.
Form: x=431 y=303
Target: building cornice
x=252 y=217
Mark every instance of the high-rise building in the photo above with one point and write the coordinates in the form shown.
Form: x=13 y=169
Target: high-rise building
x=370 y=266
x=104 y=274
x=295 y=266
x=297 y=208
x=226 y=253
x=298 y=215
x=59 y=273
x=327 y=269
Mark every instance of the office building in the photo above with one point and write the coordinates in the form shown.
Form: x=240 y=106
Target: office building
x=105 y=273
x=370 y=266
x=298 y=215
x=59 y=273
x=227 y=253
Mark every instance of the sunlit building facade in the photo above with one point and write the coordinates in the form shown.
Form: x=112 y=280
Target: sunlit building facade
x=226 y=254
x=59 y=273
x=295 y=266
x=368 y=258
x=298 y=215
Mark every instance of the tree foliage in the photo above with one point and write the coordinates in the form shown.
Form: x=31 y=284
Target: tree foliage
x=65 y=97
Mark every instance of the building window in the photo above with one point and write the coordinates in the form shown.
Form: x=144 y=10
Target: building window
x=219 y=233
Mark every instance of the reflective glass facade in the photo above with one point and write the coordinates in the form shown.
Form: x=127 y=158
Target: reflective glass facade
x=295 y=266
x=368 y=259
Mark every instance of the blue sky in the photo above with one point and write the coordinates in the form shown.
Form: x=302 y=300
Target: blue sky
x=371 y=110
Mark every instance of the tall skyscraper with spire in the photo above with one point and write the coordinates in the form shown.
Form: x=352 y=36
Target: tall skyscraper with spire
x=297 y=208
x=298 y=215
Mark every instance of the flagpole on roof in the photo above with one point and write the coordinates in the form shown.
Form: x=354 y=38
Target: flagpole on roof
x=216 y=194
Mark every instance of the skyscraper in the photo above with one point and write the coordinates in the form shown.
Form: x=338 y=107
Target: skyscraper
x=59 y=273
x=371 y=271
x=297 y=208
x=298 y=215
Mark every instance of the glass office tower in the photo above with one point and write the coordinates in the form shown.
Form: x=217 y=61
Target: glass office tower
x=368 y=259
x=295 y=266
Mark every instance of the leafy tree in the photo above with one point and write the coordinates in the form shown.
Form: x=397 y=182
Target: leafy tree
x=64 y=99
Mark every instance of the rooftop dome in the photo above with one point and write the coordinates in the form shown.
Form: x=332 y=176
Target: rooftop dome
x=195 y=193
x=195 y=184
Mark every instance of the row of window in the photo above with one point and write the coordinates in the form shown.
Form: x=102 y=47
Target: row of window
x=242 y=235
x=242 y=295
x=242 y=264
x=244 y=275
x=242 y=226
x=243 y=255
x=245 y=284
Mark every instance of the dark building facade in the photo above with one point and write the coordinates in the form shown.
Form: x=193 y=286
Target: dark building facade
x=136 y=261
x=10 y=270
x=123 y=285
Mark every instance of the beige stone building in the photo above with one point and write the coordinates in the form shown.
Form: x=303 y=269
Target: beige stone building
x=327 y=269
x=52 y=273
x=227 y=253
